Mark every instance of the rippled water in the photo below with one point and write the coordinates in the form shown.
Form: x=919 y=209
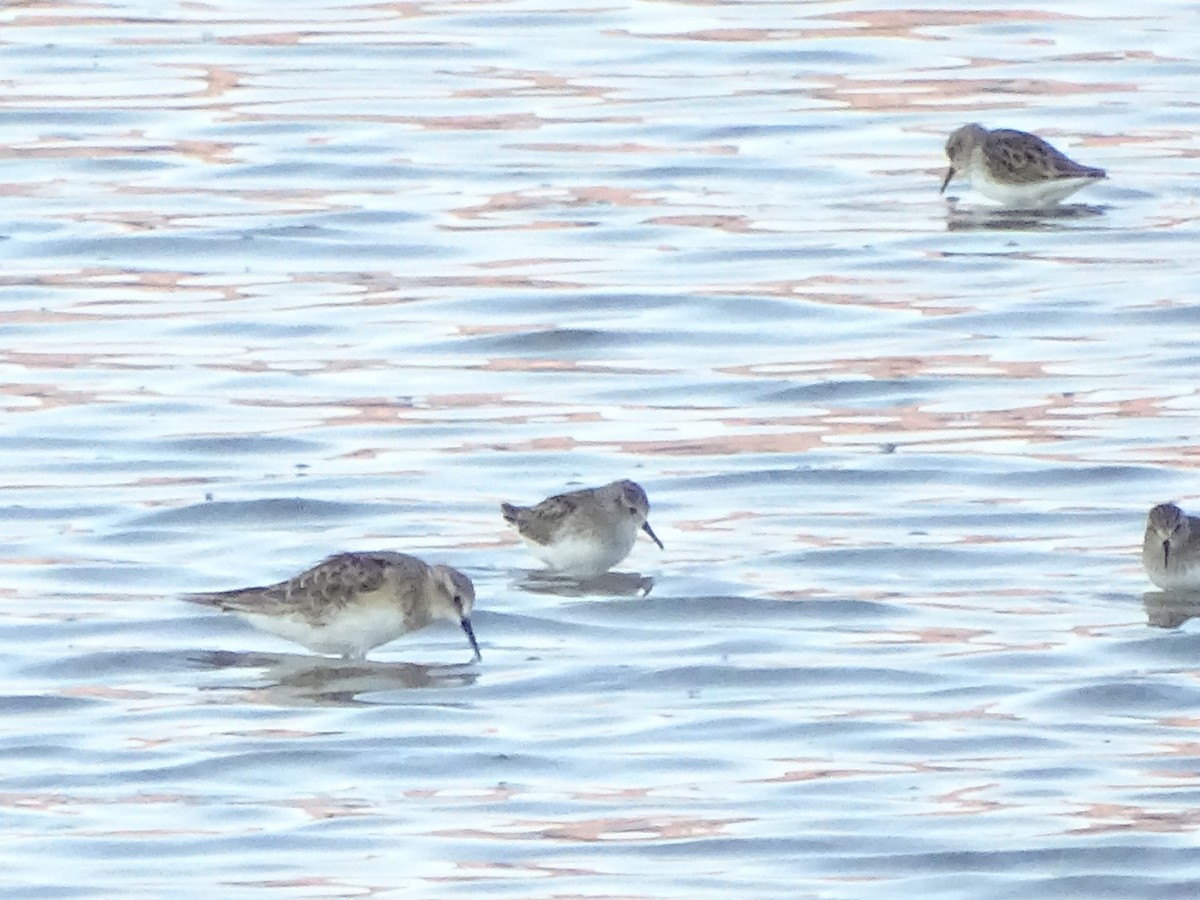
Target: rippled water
x=285 y=278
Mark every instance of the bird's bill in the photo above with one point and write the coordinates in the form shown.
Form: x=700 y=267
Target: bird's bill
x=470 y=632
x=654 y=537
x=1166 y=552
x=949 y=175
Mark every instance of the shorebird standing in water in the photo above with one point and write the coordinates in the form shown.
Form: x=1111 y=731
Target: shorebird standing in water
x=1017 y=169
x=1171 y=548
x=584 y=533
x=352 y=602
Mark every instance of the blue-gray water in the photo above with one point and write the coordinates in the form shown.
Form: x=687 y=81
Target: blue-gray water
x=279 y=279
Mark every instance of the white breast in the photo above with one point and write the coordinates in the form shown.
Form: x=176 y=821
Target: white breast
x=1176 y=578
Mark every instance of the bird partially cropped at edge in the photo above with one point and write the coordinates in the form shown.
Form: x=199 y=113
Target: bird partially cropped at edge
x=1171 y=548
x=350 y=603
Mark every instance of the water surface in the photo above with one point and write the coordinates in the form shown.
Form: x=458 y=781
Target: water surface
x=316 y=276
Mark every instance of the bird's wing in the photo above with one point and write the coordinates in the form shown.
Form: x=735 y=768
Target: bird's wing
x=541 y=523
x=1027 y=158
x=328 y=585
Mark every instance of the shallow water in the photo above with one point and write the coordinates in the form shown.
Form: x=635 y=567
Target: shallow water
x=312 y=276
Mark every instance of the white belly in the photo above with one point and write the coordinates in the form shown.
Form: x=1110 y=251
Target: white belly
x=586 y=557
x=351 y=633
x=1033 y=195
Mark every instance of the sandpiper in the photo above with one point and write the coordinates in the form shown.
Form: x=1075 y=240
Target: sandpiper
x=351 y=602
x=584 y=533
x=1171 y=548
x=1017 y=169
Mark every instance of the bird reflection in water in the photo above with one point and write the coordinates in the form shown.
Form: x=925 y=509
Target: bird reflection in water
x=966 y=218
x=291 y=679
x=1170 y=610
x=610 y=584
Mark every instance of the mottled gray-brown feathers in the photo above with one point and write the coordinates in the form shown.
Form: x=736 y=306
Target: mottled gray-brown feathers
x=1020 y=157
x=542 y=522
x=320 y=592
